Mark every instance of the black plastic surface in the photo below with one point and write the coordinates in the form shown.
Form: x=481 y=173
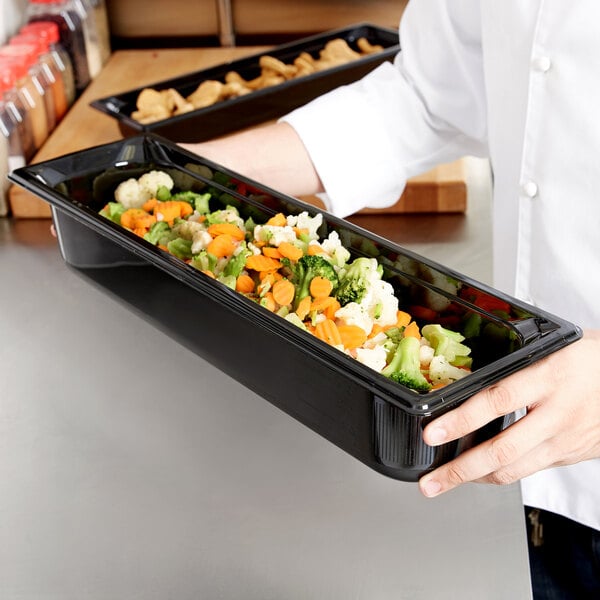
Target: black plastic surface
x=261 y=105
x=372 y=418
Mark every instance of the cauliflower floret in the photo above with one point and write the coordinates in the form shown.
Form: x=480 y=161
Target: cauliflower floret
x=128 y=194
x=151 y=181
x=333 y=246
x=441 y=371
x=200 y=241
x=187 y=229
x=426 y=353
x=305 y=221
x=254 y=249
x=274 y=234
x=355 y=314
x=372 y=357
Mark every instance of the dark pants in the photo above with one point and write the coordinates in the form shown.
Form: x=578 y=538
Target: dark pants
x=564 y=557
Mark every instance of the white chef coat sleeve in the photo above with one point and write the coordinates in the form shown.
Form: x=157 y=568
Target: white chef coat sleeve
x=428 y=107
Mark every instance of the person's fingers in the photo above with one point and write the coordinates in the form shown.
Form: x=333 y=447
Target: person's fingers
x=515 y=452
x=510 y=395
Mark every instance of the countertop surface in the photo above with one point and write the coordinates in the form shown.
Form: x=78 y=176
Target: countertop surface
x=131 y=468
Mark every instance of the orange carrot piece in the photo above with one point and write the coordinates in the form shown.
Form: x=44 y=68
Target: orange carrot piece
x=259 y=262
x=320 y=287
x=412 y=330
x=290 y=251
x=268 y=301
x=330 y=311
x=314 y=249
x=278 y=220
x=233 y=230
x=283 y=292
x=222 y=245
x=149 y=205
x=304 y=307
x=271 y=252
x=328 y=331
x=209 y=273
x=322 y=304
x=402 y=319
x=298 y=231
x=352 y=336
x=244 y=284
x=135 y=218
x=375 y=330
x=141 y=231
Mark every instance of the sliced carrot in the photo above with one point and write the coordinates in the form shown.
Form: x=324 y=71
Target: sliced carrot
x=330 y=311
x=233 y=230
x=290 y=251
x=283 y=292
x=375 y=330
x=352 y=336
x=268 y=301
x=298 y=231
x=328 y=331
x=222 y=245
x=171 y=210
x=149 y=205
x=304 y=307
x=272 y=276
x=271 y=252
x=244 y=284
x=322 y=304
x=320 y=287
x=314 y=249
x=259 y=262
x=209 y=273
x=141 y=231
x=412 y=330
x=135 y=218
x=402 y=319
x=277 y=220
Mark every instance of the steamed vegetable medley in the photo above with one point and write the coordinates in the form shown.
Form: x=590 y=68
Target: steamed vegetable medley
x=284 y=266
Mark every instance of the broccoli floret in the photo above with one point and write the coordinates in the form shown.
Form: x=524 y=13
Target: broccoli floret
x=157 y=232
x=236 y=264
x=355 y=281
x=445 y=342
x=113 y=211
x=405 y=366
x=306 y=269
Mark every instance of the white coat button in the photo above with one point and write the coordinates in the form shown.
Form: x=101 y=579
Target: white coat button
x=542 y=64
x=530 y=189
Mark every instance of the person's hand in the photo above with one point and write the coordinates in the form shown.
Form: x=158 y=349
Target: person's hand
x=562 y=426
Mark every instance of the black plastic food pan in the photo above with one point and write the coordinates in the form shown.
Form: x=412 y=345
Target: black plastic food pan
x=369 y=416
x=260 y=105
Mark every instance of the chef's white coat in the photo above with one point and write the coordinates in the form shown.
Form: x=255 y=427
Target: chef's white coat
x=518 y=81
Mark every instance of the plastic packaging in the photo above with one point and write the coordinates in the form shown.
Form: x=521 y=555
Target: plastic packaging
x=29 y=89
x=17 y=107
x=369 y=416
x=49 y=31
x=68 y=18
x=49 y=74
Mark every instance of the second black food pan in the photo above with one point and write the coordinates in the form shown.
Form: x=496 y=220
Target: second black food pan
x=261 y=105
x=372 y=418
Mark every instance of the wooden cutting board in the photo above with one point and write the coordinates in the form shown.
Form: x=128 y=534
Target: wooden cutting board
x=443 y=189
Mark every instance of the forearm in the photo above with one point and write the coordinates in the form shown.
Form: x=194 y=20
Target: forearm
x=273 y=155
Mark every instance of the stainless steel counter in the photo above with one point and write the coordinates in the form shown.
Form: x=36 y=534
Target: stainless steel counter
x=130 y=468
